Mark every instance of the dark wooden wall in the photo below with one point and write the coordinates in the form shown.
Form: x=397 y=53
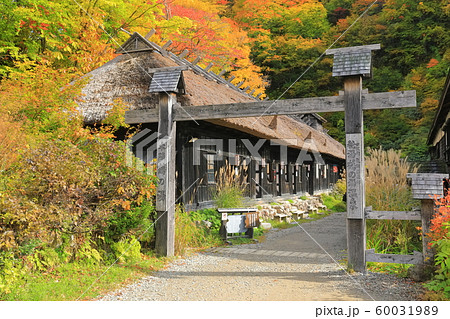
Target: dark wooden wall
x=266 y=179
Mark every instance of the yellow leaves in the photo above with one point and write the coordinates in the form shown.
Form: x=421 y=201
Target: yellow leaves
x=11 y=140
x=115 y=116
x=429 y=105
x=126 y=205
x=7 y=240
x=250 y=74
x=208 y=6
x=57 y=55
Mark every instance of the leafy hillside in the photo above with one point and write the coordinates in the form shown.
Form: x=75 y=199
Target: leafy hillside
x=288 y=37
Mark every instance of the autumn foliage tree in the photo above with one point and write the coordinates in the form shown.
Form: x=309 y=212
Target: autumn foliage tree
x=202 y=28
x=79 y=34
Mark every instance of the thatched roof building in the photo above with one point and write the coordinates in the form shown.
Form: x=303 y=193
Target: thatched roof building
x=131 y=77
x=128 y=77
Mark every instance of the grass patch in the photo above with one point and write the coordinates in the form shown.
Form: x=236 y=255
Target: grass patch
x=400 y=270
x=69 y=281
x=280 y=225
x=333 y=203
x=189 y=235
x=241 y=240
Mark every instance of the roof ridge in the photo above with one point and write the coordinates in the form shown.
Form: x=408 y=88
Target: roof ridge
x=206 y=73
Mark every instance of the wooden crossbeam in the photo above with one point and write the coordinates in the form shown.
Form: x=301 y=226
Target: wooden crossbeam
x=209 y=66
x=150 y=34
x=397 y=215
x=197 y=60
x=166 y=45
x=370 y=101
x=183 y=54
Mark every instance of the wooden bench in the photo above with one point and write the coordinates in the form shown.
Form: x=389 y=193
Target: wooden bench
x=239 y=221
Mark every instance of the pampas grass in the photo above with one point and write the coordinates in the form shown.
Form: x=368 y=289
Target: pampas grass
x=231 y=185
x=386 y=184
x=387 y=190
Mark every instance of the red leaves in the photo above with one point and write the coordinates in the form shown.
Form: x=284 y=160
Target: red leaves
x=442 y=216
x=433 y=62
x=44 y=26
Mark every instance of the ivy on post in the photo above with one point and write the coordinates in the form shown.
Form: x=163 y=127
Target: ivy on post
x=353 y=63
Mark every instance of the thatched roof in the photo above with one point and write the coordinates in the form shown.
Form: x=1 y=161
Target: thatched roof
x=127 y=77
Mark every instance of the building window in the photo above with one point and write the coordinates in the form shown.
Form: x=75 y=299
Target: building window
x=210 y=171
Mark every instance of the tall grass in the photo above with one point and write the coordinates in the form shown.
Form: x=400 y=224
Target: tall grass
x=188 y=235
x=387 y=190
x=386 y=184
x=231 y=185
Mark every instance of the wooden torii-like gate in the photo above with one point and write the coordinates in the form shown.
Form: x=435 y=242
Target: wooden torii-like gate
x=351 y=63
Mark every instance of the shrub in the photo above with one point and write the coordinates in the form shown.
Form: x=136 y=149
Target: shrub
x=12 y=272
x=340 y=188
x=209 y=215
x=44 y=259
x=441 y=280
x=59 y=189
x=188 y=234
x=438 y=228
x=11 y=141
x=127 y=250
x=440 y=240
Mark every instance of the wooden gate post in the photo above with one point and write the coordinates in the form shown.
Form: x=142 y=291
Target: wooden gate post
x=165 y=194
x=356 y=224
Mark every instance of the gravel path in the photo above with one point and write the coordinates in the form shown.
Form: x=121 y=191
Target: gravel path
x=299 y=263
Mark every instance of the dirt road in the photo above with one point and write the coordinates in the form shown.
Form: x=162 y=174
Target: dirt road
x=299 y=263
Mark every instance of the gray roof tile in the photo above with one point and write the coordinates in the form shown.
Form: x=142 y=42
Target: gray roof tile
x=165 y=81
x=353 y=60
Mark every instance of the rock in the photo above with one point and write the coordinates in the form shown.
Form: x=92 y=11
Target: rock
x=279 y=209
x=312 y=209
x=272 y=212
x=207 y=223
x=266 y=226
